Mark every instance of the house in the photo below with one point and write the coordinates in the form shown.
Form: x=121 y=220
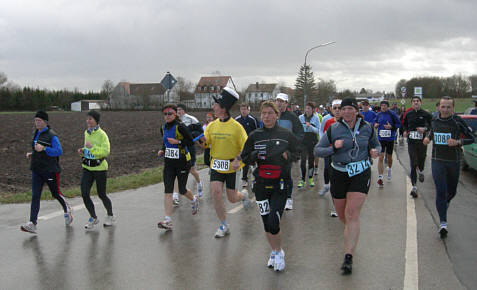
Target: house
x=141 y=96
x=86 y=105
x=207 y=88
x=256 y=93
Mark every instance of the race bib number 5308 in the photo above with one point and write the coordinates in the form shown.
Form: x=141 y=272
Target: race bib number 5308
x=221 y=165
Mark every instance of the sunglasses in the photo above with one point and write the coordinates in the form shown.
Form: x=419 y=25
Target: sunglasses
x=335 y=108
x=169 y=113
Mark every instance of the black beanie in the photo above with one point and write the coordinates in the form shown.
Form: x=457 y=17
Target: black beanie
x=42 y=115
x=349 y=101
x=95 y=115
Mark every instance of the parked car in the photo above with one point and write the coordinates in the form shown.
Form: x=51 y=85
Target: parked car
x=470 y=151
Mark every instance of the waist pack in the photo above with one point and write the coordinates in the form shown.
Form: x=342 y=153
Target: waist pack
x=92 y=162
x=268 y=171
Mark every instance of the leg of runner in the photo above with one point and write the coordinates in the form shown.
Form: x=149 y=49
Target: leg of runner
x=413 y=160
x=303 y=159
x=311 y=165
x=326 y=176
x=422 y=153
x=381 y=166
x=87 y=180
x=390 y=165
x=37 y=185
x=53 y=184
x=216 y=191
x=245 y=175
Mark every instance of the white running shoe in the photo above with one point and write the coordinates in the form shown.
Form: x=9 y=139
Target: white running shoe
x=333 y=214
x=271 y=260
x=68 y=218
x=195 y=205
x=279 y=261
x=175 y=199
x=388 y=177
x=29 y=227
x=91 y=223
x=325 y=189
x=165 y=224
x=289 y=204
x=200 y=189
x=245 y=201
x=222 y=231
x=109 y=220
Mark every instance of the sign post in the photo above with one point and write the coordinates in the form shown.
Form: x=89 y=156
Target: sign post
x=168 y=82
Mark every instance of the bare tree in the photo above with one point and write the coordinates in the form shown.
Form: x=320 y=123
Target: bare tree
x=107 y=89
x=3 y=79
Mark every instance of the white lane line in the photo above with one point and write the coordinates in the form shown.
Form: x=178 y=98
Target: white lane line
x=411 y=275
x=239 y=207
x=60 y=213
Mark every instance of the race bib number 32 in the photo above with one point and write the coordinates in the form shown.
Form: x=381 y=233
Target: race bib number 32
x=221 y=165
x=172 y=153
x=441 y=138
x=263 y=206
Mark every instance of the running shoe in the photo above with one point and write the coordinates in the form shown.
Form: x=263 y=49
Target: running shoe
x=388 y=177
x=68 y=218
x=244 y=183
x=109 y=220
x=289 y=204
x=311 y=182
x=325 y=189
x=333 y=213
x=347 y=266
x=91 y=223
x=175 y=199
x=245 y=201
x=443 y=230
x=29 y=227
x=414 y=192
x=380 y=183
x=301 y=183
x=279 y=261
x=222 y=231
x=165 y=224
x=200 y=189
x=271 y=260
x=421 y=177
x=195 y=205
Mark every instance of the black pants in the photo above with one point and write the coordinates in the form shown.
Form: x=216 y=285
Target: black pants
x=271 y=202
x=245 y=172
x=307 y=155
x=326 y=170
x=417 y=155
x=173 y=170
x=87 y=182
x=37 y=182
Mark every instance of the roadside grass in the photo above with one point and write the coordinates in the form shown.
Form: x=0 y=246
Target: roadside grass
x=460 y=104
x=132 y=181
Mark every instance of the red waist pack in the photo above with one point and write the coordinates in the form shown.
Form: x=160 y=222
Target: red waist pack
x=268 y=171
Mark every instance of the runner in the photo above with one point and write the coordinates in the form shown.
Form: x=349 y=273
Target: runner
x=176 y=139
x=226 y=138
x=291 y=122
x=349 y=142
x=387 y=122
x=249 y=123
x=45 y=168
x=401 y=130
x=273 y=148
x=369 y=115
x=416 y=123
x=449 y=132
x=311 y=126
x=195 y=129
x=334 y=116
x=95 y=168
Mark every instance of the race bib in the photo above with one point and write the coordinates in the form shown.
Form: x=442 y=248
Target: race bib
x=441 y=138
x=221 y=165
x=415 y=135
x=263 y=206
x=172 y=153
x=355 y=168
x=385 y=133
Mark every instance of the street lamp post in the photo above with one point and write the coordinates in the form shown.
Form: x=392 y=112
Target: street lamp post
x=306 y=55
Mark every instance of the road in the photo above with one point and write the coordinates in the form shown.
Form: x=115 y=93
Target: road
x=399 y=246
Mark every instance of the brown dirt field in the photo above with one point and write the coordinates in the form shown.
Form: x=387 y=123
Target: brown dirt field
x=134 y=136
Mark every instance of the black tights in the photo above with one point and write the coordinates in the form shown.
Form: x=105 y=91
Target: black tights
x=87 y=182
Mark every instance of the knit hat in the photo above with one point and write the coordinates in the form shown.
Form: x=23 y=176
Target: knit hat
x=349 y=101
x=227 y=98
x=416 y=97
x=42 y=115
x=384 y=102
x=94 y=114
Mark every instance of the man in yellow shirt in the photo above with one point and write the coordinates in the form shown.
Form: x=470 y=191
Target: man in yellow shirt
x=226 y=138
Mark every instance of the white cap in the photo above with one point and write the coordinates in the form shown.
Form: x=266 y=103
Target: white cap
x=321 y=106
x=282 y=96
x=336 y=102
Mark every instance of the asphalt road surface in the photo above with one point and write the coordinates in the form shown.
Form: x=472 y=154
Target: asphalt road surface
x=399 y=246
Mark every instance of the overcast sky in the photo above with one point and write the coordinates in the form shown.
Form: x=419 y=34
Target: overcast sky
x=78 y=44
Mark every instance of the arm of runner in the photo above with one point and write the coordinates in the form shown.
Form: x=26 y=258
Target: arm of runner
x=102 y=149
x=323 y=148
x=249 y=155
x=187 y=136
x=55 y=150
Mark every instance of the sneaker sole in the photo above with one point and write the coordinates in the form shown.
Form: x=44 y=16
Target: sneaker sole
x=27 y=231
x=163 y=227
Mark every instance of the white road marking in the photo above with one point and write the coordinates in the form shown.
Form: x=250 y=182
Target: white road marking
x=411 y=274
x=60 y=213
x=239 y=207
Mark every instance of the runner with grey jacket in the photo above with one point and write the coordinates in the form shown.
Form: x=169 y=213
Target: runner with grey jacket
x=350 y=142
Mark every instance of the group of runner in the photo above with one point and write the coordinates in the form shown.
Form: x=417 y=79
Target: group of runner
x=347 y=138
